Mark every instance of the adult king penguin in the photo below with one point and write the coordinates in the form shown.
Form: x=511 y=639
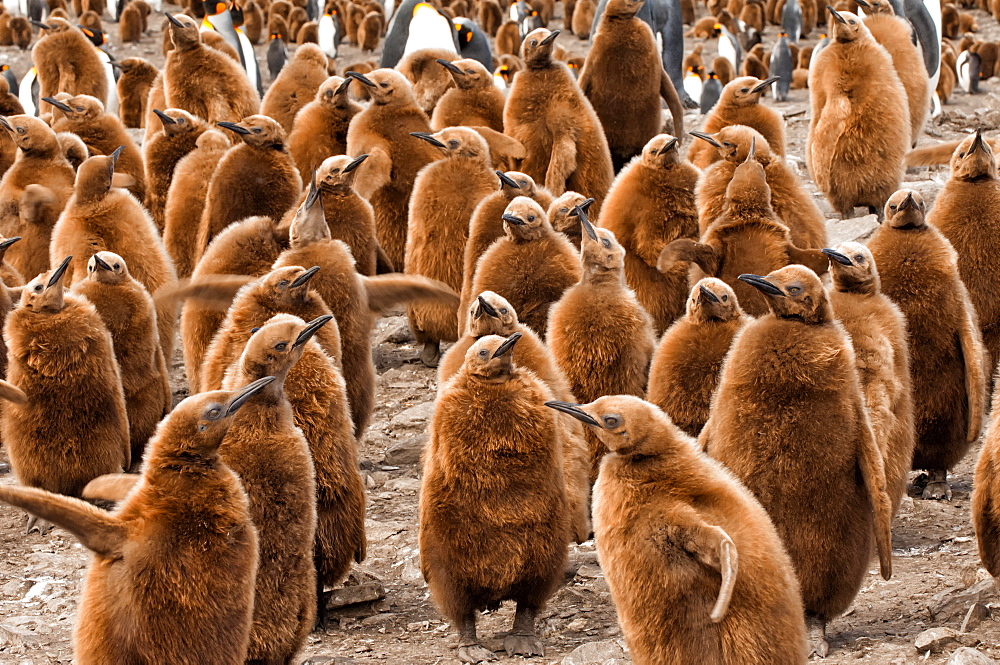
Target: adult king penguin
x=218 y=18
x=417 y=25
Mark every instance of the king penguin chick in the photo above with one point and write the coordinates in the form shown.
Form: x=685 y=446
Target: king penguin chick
x=624 y=79
x=295 y=86
x=350 y=218
x=684 y=372
x=64 y=423
x=600 y=335
x=740 y=104
x=381 y=131
x=554 y=121
x=853 y=89
x=101 y=217
x=531 y=266
x=702 y=575
x=445 y=194
x=187 y=519
x=563 y=216
x=474 y=101
x=320 y=128
x=66 y=61
x=651 y=204
x=270 y=454
x=127 y=310
x=162 y=151
x=821 y=452
x=202 y=80
x=134 y=84
x=967 y=212
x=986 y=494
x=919 y=271
x=877 y=329
x=491 y=530
x=256 y=177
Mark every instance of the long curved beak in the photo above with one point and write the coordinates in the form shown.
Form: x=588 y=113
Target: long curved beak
x=65 y=108
x=450 y=66
x=361 y=77
x=669 y=145
x=488 y=309
x=583 y=205
x=551 y=38
x=908 y=202
x=977 y=143
x=342 y=88
x=752 y=153
x=507 y=180
x=39 y=24
x=233 y=127
x=575 y=411
x=241 y=397
x=59 y=272
x=313 y=195
x=430 y=139
x=516 y=221
x=837 y=256
x=311 y=329
x=709 y=296
x=585 y=221
x=173 y=21
x=836 y=14
x=116 y=154
x=507 y=346
x=304 y=277
x=762 y=285
x=101 y=263
x=355 y=163
x=706 y=137
x=5 y=124
x=765 y=84
x=7 y=242
x=164 y=118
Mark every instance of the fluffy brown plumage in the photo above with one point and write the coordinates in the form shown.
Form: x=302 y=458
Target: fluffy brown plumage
x=320 y=129
x=740 y=104
x=134 y=84
x=66 y=61
x=295 y=86
x=474 y=101
x=163 y=150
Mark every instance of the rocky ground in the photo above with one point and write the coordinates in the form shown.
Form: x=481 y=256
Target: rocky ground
x=386 y=614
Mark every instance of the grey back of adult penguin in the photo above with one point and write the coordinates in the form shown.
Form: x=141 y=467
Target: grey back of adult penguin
x=11 y=77
x=781 y=66
x=277 y=56
x=710 y=93
x=399 y=31
x=925 y=17
x=791 y=20
x=473 y=42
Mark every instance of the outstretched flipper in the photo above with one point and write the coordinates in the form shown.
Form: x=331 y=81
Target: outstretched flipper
x=216 y=291
x=387 y=291
x=111 y=486
x=873 y=473
x=690 y=251
x=974 y=355
x=97 y=530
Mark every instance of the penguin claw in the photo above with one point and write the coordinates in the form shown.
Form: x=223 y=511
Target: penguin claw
x=524 y=645
x=936 y=492
x=35 y=524
x=430 y=354
x=474 y=653
x=818 y=646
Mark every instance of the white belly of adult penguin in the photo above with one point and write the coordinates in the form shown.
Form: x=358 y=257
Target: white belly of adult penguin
x=429 y=29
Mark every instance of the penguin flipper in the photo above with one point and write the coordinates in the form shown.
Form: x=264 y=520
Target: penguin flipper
x=505 y=151
x=111 y=486
x=383 y=264
x=931 y=155
x=12 y=393
x=97 y=530
x=386 y=291
x=813 y=259
x=375 y=172
x=562 y=164
x=690 y=251
x=974 y=354
x=669 y=94
x=215 y=291
x=873 y=473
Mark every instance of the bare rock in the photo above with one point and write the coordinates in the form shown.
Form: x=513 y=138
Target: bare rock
x=935 y=639
x=854 y=229
x=406 y=451
x=354 y=595
x=392 y=330
x=976 y=615
x=413 y=418
x=403 y=485
x=16 y=637
x=954 y=602
x=594 y=653
x=967 y=656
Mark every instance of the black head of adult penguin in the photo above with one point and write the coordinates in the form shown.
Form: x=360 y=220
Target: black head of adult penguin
x=259 y=131
x=44 y=294
x=745 y=90
x=794 y=292
x=96 y=36
x=184 y=31
x=974 y=160
x=386 y=86
x=491 y=358
x=336 y=174
x=662 y=151
x=852 y=268
x=456 y=142
x=847 y=27
x=905 y=209
x=712 y=299
x=537 y=47
x=468 y=74
x=30 y=134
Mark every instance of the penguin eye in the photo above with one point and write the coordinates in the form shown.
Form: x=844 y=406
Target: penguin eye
x=534 y=42
x=744 y=89
x=453 y=144
x=469 y=71
x=725 y=298
x=794 y=290
x=484 y=353
x=79 y=109
x=256 y=130
x=859 y=258
x=384 y=85
x=38 y=288
x=117 y=266
x=852 y=21
x=281 y=346
x=181 y=121
x=503 y=310
x=22 y=131
x=892 y=206
x=611 y=421
x=564 y=210
x=961 y=154
x=531 y=218
x=212 y=413
x=606 y=243
x=283 y=283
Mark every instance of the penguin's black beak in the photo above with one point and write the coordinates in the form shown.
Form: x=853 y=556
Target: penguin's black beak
x=668 y=146
x=588 y=228
x=241 y=397
x=551 y=38
x=451 y=67
x=173 y=21
x=164 y=118
x=583 y=205
x=908 y=202
x=486 y=308
x=977 y=143
x=304 y=277
x=863 y=4
x=361 y=77
x=836 y=15
x=342 y=88
x=752 y=153
x=5 y=124
x=507 y=346
x=57 y=275
x=575 y=411
x=116 y=154
x=233 y=127
x=65 y=108
x=837 y=256
x=355 y=163
x=101 y=263
x=707 y=294
x=39 y=24
x=762 y=285
x=763 y=85
x=706 y=137
x=507 y=180
x=7 y=242
x=516 y=221
x=313 y=195
x=311 y=329
x=430 y=139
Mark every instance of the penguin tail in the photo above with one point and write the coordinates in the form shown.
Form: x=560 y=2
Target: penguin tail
x=97 y=530
x=387 y=291
x=210 y=290
x=931 y=155
x=12 y=393
x=111 y=486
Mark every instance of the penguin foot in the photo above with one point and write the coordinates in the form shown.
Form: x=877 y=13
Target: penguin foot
x=937 y=486
x=818 y=645
x=525 y=645
x=475 y=653
x=430 y=354
x=35 y=524
x=689 y=103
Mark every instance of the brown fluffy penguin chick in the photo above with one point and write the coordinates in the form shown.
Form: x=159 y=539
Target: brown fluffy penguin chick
x=554 y=121
x=130 y=25
x=600 y=335
x=919 y=271
x=697 y=571
x=491 y=530
x=186 y=199
x=747 y=238
x=203 y=81
x=320 y=128
x=269 y=453
x=986 y=495
x=487 y=225
x=624 y=79
x=853 y=88
x=790 y=200
x=445 y=194
x=256 y=177
x=64 y=423
x=651 y=204
x=33 y=192
x=20 y=32
x=103 y=133
x=684 y=372
x=474 y=101
x=74 y=148
x=877 y=329
x=188 y=519
x=531 y=266
x=740 y=104
x=66 y=61
x=134 y=85
x=127 y=310
x=161 y=153
x=562 y=216
x=894 y=34
x=491 y=314
x=350 y=217
x=101 y=217
x=295 y=86
x=821 y=451
x=429 y=80
x=967 y=212
x=382 y=131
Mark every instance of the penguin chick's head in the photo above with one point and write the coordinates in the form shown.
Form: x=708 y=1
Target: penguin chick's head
x=491 y=314
x=662 y=151
x=199 y=423
x=333 y=92
x=536 y=49
x=623 y=8
x=385 y=86
x=44 y=294
x=95 y=177
x=336 y=174
x=853 y=268
x=745 y=90
x=309 y=224
x=600 y=253
x=259 y=131
x=794 y=292
x=457 y=142
x=515 y=183
x=524 y=220
x=562 y=215
x=469 y=74
x=491 y=358
x=623 y=423
x=29 y=133
x=974 y=159
x=177 y=122
x=733 y=143
x=287 y=284
x=845 y=26
x=78 y=108
x=877 y=7
x=712 y=300
x=55 y=24
x=184 y=31
x=107 y=268
x=276 y=346
x=905 y=210
x=748 y=189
